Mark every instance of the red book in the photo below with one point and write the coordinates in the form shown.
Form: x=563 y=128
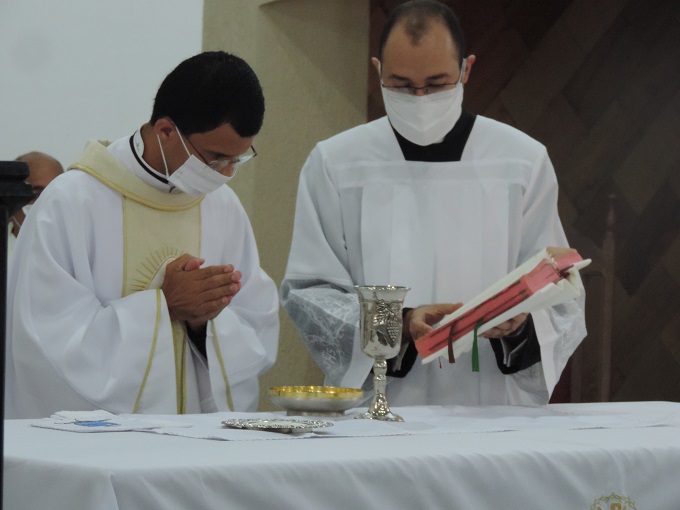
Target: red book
x=489 y=308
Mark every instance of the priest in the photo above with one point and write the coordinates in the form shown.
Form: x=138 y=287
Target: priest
x=437 y=199
x=136 y=285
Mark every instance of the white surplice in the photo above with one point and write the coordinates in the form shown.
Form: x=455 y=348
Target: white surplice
x=448 y=230
x=76 y=342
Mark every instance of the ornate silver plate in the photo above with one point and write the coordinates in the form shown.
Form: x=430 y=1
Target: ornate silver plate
x=283 y=425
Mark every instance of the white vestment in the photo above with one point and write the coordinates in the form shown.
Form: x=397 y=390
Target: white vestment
x=448 y=230
x=77 y=340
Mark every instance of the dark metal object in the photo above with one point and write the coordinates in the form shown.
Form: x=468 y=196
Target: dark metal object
x=14 y=193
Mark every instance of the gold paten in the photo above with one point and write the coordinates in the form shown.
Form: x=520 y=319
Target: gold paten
x=315 y=400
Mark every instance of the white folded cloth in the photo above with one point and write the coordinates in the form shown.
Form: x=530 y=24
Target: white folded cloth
x=104 y=421
x=82 y=416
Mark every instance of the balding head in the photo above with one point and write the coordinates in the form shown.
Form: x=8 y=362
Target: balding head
x=42 y=169
x=416 y=18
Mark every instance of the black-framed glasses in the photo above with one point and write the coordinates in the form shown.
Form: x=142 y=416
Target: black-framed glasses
x=427 y=89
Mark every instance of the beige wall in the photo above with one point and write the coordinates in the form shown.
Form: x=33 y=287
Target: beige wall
x=312 y=59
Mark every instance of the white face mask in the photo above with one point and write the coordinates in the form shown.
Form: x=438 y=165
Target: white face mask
x=25 y=210
x=194 y=177
x=427 y=119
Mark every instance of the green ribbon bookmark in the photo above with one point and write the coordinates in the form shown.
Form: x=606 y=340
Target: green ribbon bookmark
x=475 y=349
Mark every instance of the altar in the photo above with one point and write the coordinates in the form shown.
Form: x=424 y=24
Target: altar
x=561 y=456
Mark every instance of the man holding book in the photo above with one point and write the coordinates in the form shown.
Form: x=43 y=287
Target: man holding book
x=437 y=199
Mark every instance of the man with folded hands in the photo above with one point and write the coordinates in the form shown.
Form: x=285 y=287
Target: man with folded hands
x=136 y=285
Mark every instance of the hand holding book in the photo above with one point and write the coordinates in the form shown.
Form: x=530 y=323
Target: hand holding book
x=419 y=321
x=549 y=278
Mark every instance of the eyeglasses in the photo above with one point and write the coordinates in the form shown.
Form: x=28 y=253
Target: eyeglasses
x=220 y=164
x=427 y=89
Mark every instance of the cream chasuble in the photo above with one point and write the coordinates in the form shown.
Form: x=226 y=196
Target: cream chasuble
x=88 y=325
x=170 y=230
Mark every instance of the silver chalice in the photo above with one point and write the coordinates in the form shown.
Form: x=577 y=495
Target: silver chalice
x=380 y=326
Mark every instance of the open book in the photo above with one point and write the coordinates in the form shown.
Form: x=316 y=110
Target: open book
x=548 y=278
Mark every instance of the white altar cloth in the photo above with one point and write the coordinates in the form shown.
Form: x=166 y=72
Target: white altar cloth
x=568 y=456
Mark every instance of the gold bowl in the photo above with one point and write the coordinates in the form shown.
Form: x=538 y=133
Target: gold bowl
x=315 y=400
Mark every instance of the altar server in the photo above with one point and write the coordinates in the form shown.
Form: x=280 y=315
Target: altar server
x=437 y=199
x=137 y=286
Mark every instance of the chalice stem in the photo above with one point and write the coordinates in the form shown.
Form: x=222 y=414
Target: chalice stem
x=379 y=408
x=379 y=404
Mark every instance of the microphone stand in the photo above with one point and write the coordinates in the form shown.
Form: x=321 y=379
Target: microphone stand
x=14 y=193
